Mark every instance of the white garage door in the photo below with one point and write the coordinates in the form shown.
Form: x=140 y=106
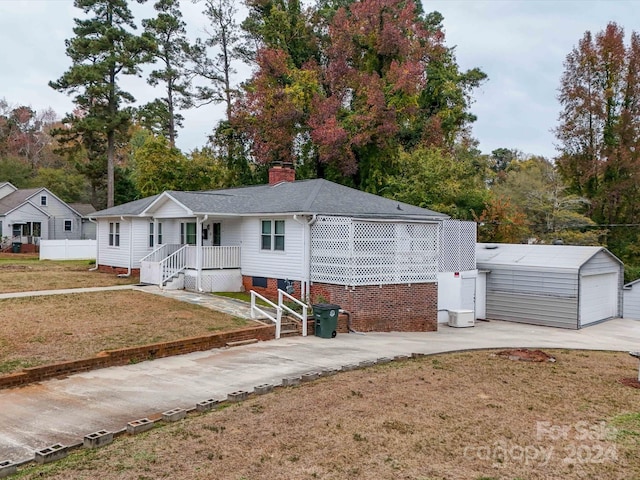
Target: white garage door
x=598 y=297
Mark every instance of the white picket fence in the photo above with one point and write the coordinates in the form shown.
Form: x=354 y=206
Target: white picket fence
x=68 y=249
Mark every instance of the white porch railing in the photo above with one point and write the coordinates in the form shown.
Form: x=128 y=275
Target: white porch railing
x=173 y=264
x=254 y=308
x=214 y=257
x=301 y=316
x=162 y=252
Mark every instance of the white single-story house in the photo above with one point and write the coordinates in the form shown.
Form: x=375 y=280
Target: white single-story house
x=29 y=215
x=553 y=285
x=375 y=257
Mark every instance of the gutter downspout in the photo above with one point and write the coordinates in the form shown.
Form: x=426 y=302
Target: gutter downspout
x=305 y=284
x=97 y=249
x=128 y=274
x=199 y=252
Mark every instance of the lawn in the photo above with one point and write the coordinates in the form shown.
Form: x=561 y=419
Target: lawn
x=41 y=330
x=472 y=415
x=24 y=272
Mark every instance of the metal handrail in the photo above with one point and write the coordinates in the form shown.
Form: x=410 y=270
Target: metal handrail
x=254 y=308
x=173 y=264
x=302 y=317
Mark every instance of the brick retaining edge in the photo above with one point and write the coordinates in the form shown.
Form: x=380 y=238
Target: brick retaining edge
x=124 y=356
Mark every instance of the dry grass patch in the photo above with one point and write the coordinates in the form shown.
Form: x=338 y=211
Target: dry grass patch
x=24 y=272
x=457 y=416
x=42 y=330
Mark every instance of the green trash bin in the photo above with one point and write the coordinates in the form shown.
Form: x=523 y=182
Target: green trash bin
x=16 y=247
x=326 y=319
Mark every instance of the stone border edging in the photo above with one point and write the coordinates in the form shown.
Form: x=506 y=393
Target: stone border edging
x=124 y=356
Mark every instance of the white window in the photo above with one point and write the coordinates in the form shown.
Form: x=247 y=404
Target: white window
x=43 y=200
x=188 y=233
x=272 y=235
x=114 y=234
x=68 y=225
x=151 y=236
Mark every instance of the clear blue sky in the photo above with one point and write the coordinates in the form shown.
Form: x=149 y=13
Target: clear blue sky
x=521 y=45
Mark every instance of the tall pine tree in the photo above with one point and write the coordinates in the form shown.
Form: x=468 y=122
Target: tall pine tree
x=103 y=49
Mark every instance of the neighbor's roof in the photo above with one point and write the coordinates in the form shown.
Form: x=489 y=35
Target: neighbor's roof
x=15 y=199
x=83 y=209
x=316 y=196
x=544 y=256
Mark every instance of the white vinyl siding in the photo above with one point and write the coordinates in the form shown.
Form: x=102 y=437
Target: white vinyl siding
x=257 y=262
x=632 y=300
x=114 y=257
x=169 y=209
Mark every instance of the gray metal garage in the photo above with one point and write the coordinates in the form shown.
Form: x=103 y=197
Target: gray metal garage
x=553 y=285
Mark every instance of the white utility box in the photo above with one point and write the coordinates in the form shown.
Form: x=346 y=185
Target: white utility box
x=461 y=318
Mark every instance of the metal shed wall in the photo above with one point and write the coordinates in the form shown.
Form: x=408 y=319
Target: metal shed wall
x=532 y=296
x=543 y=285
x=631 y=295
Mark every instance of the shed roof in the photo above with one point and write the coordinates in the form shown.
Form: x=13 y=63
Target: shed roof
x=543 y=256
x=316 y=196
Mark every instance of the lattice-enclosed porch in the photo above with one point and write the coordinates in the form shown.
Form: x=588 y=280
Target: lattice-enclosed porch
x=353 y=252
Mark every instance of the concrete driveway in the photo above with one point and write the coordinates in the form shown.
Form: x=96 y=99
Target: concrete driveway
x=64 y=411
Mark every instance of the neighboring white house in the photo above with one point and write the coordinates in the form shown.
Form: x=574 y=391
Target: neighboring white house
x=376 y=257
x=28 y=215
x=553 y=285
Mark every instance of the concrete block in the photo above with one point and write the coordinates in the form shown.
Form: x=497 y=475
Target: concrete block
x=401 y=358
x=97 y=439
x=51 y=454
x=7 y=468
x=418 y=355
x=309 y=377
x=383 y=360
x=174 y=415
x=291 y=381
x=349 y=367
x=262 y=389
x=328 y=372
x=367 y=363
x=207 y=405
x=238 y=396
x=139 y=426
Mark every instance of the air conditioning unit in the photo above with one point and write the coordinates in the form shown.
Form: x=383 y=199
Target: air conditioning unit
x=461 y=318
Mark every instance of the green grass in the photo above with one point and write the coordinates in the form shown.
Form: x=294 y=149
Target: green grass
x=242 y=296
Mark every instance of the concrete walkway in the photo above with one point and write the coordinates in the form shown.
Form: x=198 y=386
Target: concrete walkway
x=226 y=305
x=63 y=411
x=64 y=291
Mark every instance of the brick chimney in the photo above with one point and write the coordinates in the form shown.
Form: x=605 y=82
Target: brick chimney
x=281 y=173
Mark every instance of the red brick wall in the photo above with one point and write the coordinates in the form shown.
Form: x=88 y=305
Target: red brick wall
x=29 y=248
x=279 y=174
x=271 y=292
x=386 y=308
x=118 y=270
x=125 y=356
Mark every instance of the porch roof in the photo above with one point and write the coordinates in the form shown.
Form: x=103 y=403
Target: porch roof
x=304 y=197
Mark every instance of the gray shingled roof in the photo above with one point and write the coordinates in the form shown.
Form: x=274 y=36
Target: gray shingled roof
x=84 y=209
x=15 y=199
x=301 y=197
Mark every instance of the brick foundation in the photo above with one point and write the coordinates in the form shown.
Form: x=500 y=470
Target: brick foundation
x=29 y=248
x=124 y=356
x=386 y=308
x=135 y=272
x=271 y=290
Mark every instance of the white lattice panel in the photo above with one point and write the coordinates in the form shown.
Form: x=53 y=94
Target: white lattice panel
x=457 y=246
x=351 y=252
